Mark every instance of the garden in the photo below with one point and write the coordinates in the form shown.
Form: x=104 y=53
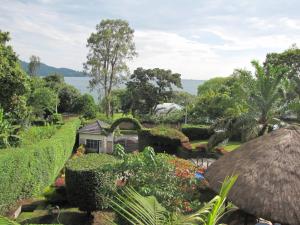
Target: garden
x=98 y=189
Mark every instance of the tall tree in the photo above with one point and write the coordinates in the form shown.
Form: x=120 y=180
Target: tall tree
x=34 y=64
x=56 y=83
x=13 y=81
x=110 y=48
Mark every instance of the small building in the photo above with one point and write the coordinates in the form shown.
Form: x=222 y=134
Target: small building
x=95 y=138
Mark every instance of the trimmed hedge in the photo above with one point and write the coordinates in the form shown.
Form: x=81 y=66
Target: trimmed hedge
x=26 y=172
x=197 y=132
x=162 y=139
x=137 y=125
x=90 y=179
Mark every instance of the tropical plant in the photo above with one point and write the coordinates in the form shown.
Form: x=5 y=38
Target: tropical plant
x=138 y=209
x=263 y=95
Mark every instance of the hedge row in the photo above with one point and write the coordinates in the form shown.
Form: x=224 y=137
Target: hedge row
x=25 y=172
x=90 y=179
x=162 y=139
x=197 y=132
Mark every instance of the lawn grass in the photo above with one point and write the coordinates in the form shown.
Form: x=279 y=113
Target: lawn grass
x=230 y=146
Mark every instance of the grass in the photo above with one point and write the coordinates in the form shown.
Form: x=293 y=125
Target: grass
x=230 y=146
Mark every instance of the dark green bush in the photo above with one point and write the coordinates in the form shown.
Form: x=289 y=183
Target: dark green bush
x=162 y=139
x=197 y=132
x=90 y=179
x=25 y=172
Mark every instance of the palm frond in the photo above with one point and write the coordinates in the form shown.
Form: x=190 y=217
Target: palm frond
x=138 y=209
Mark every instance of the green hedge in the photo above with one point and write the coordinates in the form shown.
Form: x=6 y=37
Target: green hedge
x=89 y=180
x=137 y=125
x=162 y=139
x=25 y=172
x=197 y=132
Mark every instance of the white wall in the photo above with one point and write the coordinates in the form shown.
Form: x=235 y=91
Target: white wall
x=103 y=148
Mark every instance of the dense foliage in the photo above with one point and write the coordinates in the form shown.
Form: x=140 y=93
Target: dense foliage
x=90 y=180
x=26 y=171
x=169 y=179
x=13 y=82
x=147 y=88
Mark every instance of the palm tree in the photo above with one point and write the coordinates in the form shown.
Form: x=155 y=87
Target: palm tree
x=263 y=93
x=137 y=209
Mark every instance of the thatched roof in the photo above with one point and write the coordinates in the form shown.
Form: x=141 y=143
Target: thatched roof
x=268 y=185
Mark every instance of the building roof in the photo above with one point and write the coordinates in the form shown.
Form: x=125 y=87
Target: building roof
x=268 y=167
x=166 y=108
x=94 y=128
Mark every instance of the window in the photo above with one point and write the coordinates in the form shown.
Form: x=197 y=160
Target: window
x=92 y=144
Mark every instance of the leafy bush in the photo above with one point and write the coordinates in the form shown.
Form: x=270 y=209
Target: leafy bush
x=56 y=118
x=197 y=132
x=86 y=106
x=90 y=179
x=119 y=151
x=27 y=171
x=164 y=177
x=162 y=139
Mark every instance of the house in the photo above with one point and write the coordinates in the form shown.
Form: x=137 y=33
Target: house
x=95 y=138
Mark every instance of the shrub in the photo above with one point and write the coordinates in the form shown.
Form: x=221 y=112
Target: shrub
x=90 y=179
x=197 y=132
x=56 y=118
x=27 y=171
x=158 y=175
x=162 y=139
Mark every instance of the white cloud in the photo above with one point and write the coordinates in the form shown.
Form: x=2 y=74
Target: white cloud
x=199 y=39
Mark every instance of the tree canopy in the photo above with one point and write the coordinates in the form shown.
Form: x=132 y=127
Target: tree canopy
x=149 y=87
x=13 y=81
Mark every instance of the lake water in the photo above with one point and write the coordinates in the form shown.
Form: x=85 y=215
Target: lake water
x=82 y=84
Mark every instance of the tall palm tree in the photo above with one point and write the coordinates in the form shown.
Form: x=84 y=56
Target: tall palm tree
x=263 y=93
x=137 y=209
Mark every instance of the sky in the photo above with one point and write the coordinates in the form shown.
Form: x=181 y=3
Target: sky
x=199 y=39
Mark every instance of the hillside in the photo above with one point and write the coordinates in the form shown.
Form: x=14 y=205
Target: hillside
x=45 y=70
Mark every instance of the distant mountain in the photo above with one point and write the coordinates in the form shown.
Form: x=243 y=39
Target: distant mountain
x=45 y=70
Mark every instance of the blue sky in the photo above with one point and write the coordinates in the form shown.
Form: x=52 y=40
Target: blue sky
x=198 y=38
